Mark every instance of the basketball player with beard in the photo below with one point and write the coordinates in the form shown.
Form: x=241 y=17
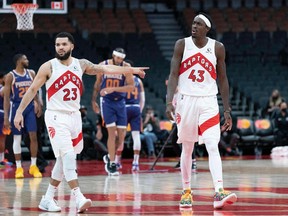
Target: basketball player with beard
x=63 y=79
x=17 y=83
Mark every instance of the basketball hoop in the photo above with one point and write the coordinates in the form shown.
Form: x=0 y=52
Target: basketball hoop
x=24 y=14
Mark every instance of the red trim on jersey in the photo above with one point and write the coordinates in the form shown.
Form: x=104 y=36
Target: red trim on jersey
x=198 y=58
x=208 y=124
x=77 y=139
x=65 y=78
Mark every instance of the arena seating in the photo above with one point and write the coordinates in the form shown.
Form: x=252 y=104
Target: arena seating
x=253 y=32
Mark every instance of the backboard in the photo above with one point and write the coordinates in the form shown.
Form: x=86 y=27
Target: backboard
x=44 y=6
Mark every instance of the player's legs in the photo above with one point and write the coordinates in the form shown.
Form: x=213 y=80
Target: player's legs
x=30 y=126
x=19 y=173
x=186 y=163
x=134 y=118
x=187 y=113
x=121 y=131
x=209 y=126
x=33 y=144
x=121 y=122
x=111 y=142
x=34 y=170
x=136 y=149
x=62 y=135
x=47 y=202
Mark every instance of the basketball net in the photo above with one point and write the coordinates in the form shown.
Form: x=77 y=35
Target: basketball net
x=24 y=14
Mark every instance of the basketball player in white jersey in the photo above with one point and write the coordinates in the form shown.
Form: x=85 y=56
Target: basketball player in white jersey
x=196 y=64
x=63 y=78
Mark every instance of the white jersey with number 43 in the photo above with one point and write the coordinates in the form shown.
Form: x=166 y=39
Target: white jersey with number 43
x=197 y=74
x=64 y=87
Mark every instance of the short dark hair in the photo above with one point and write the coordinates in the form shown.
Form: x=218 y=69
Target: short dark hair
x=65 y=34
x=17 y=57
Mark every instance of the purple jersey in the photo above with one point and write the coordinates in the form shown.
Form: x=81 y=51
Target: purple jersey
x=134 y=96
x=20 y=85
x=133 y=106
x=113 y=80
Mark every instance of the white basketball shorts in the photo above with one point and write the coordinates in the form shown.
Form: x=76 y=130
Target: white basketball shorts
x=65 y=131
x=197 y=117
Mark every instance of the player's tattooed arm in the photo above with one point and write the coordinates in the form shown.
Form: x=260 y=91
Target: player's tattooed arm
x=90 y=68
x=93 y=69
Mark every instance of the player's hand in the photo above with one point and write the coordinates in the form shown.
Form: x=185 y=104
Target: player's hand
x=140 y=71
x=6 y=123
x=95 y=107
x=18 y=121
x=227 y=126
x=106 y=91
x=170 y=112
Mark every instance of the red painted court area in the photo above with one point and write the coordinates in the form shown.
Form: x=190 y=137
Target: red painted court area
x=260 y=184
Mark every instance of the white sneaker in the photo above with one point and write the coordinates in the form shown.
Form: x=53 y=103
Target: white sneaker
x=49 y=205
x=83 y=204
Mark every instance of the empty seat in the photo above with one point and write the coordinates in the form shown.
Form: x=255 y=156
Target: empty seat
x=195 y=4
x=222 y=4
x=249 y=3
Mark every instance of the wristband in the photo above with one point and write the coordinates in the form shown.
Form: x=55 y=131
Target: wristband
x=169 y=103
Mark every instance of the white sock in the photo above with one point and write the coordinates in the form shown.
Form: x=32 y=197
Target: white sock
x=18 y=164
x=2 y=156
x=50 y=193
x=33 y=161
x=77 y=193
x=136 y=159
x=117 y=158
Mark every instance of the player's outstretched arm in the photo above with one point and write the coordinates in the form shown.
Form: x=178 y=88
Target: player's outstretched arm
x=93 y=69
x=41 y=77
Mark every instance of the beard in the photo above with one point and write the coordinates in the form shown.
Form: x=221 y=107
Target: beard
x=25 y=66
x=64 y=57
x=115 y=63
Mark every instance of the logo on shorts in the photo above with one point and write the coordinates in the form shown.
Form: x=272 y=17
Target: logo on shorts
x=178 y=118
x=51 y=131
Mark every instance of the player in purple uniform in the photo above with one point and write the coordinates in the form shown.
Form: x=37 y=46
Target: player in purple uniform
x=135 y=101
x=113 y=89
x=17 y=83
x=3 y=132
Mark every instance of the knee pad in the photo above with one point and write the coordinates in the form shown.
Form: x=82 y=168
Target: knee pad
x=17 y=144
x=136 y=140
x=69 y=166
x=57 y=172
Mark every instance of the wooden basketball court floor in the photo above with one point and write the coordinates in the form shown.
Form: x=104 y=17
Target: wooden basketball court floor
x=261 y=185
